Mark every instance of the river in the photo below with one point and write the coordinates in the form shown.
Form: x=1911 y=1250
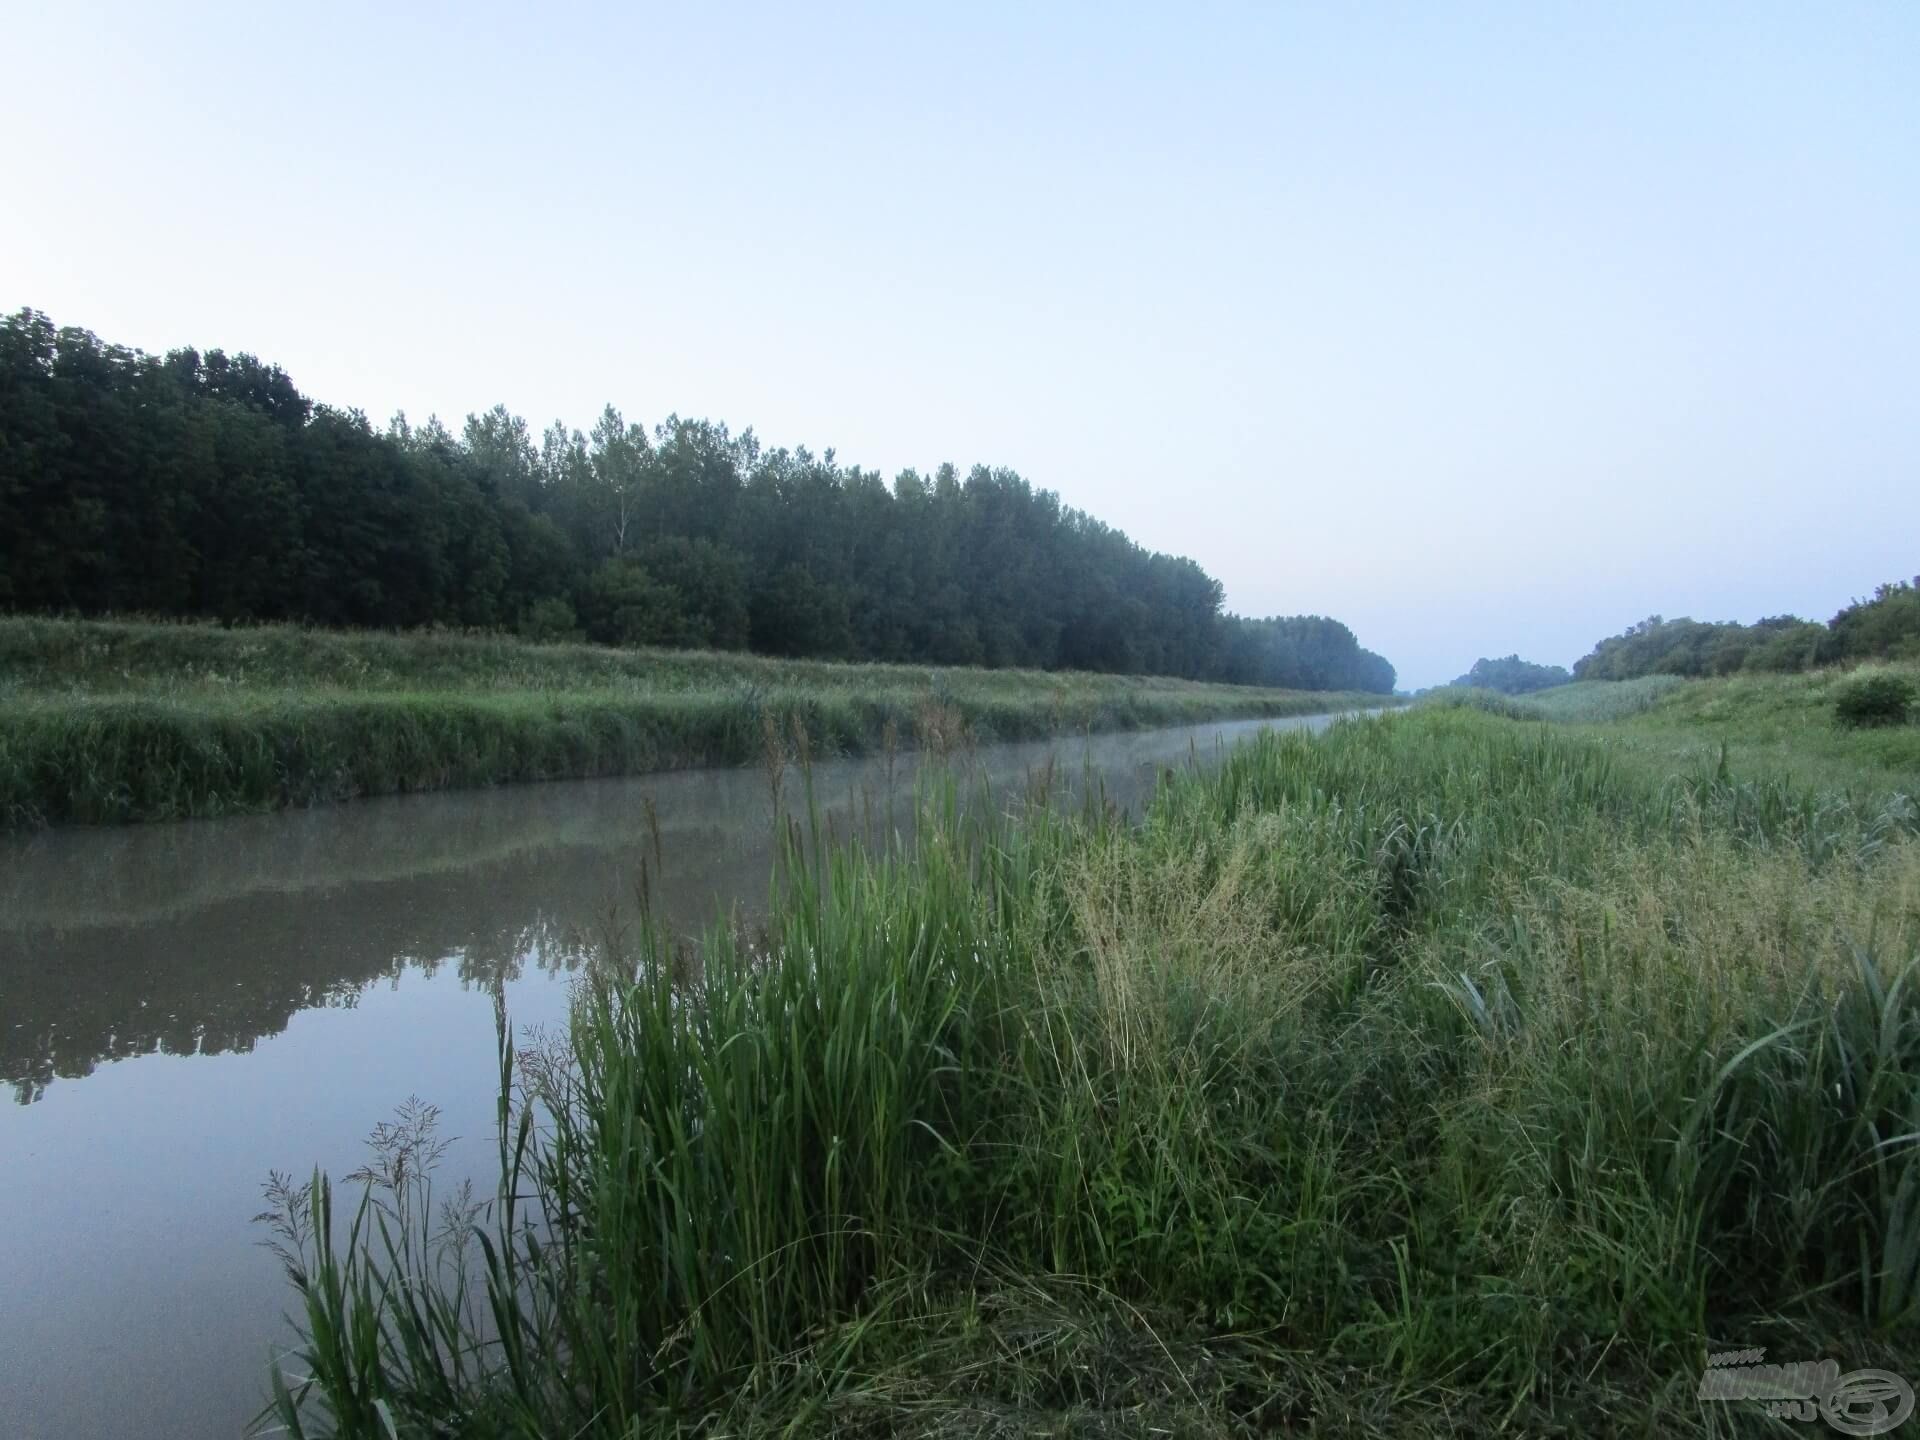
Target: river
x=184 y=1007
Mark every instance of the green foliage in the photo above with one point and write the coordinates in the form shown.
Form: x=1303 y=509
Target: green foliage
x=1294 y=652
x=796 y=614
x=621 y=604
x=1441 y=1069
x=1768 y=722
x=550 y=619
x=106 y=721
x=1588 y=701
x=1469 y=697
x=1692 y=648
x=1513 y=676
x=708 y=587
x=1886 y=627
x=1583 y=702
x=208 y=486
x=1869 y=700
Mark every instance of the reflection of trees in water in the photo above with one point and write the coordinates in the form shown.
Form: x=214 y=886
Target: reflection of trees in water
x=225 y=975
x=554 y=947
x=219 y=980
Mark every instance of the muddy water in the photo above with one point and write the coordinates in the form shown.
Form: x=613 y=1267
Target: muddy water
x=184 y=1007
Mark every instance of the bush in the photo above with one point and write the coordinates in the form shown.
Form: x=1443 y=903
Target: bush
x=621 y=604
x=550 y=619
x=1874 y=700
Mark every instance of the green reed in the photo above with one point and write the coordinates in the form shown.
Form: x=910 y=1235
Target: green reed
x=114 y=721
x=1442 y=1070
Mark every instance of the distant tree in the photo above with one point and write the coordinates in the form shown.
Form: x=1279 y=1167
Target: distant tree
x=621 y=604
x=796 y=614
x=1302 y=652
x=619 y=459
x=502 y=457
x=1511 y=675
x=1786 y=643
x=550 y=619
x=708 y=584
x=207 y=484
x=1885 y=627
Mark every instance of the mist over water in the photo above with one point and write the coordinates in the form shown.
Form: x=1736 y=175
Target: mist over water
x=184 y=1007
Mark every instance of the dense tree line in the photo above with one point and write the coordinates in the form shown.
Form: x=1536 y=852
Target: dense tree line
x=1511 y=675
x=208 y=485
x=1884 y=627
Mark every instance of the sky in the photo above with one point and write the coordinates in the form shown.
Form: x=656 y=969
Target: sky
x=1484 y=328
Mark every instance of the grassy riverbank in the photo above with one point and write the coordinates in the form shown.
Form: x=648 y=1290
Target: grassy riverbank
x=108 y=721
x=1780 y=724
x=1450 y=1073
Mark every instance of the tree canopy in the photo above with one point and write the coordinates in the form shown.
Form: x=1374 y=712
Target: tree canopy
x=207 y=485
x=1511 y=675
x=1887 y=626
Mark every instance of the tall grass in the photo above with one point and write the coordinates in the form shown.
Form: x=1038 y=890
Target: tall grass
x=1436 y=1073
x=1585 y=701
x=1603 y=700
x=1783 y=725
x=109 y=721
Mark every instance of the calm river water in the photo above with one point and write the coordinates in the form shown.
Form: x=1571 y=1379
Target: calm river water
x=184 y=1007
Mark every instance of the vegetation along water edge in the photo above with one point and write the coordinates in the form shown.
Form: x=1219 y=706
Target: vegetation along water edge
x=110 y=721
x=1452 y=1072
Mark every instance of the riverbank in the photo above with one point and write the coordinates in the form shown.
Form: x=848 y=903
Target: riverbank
x=117 y=721
x=1780 y=724
x=1446 y=1073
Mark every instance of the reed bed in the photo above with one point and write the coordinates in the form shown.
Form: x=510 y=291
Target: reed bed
x=117 y=721
x=1440 y=1073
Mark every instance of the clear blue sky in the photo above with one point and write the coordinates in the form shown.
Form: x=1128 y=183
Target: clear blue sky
x=1481 y=327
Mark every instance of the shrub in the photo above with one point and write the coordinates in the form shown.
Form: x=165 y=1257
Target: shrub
x=622 y=604
x=1874 y=700
x=550 y=619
